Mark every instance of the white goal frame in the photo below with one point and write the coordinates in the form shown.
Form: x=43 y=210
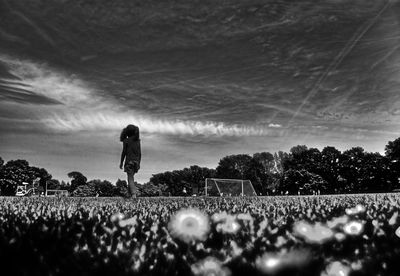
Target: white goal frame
x=226 y=179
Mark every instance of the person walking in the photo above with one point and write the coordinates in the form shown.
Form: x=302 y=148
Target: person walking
x=130 y=156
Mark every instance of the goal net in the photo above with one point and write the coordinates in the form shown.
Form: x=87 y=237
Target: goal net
x=228 y=187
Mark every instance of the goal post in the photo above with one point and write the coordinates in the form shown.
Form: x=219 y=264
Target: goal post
x=228 y=187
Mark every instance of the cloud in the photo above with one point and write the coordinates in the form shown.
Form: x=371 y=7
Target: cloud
x=82 y=108
x=109 y=120
x=15 y=94
x=275 y=125
x=46 y=81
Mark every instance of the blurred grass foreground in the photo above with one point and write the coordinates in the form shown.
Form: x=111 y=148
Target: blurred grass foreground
x=307 y=235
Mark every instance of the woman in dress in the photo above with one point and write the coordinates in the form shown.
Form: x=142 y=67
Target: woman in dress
x=131 y=155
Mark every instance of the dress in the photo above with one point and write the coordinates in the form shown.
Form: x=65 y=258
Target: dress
x=133 y=155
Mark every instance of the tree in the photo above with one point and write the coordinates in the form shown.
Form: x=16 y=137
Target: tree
x=351 y=169
x=296 y=154
x=376 y=174
x=303 y=158
x=102 y=188
x=192 y=179
x=298 y=150
x=262 y=172
x=280 y=158
x=151 y=190
x=14 y=172
x=265 y=160
x=172 y=180
x=78 y=179
x=43 y=176
x=392 y=152
x=121 y=188
x=302 y=181
x=105 y=188
x=53 y=184
x=234 y=166
x=64 y=185
x=330 y=168
x=85 y=190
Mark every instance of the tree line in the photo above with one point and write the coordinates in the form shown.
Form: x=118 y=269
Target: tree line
x=302 y=170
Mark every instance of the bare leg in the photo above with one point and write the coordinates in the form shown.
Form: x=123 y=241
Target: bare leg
x=131 y=185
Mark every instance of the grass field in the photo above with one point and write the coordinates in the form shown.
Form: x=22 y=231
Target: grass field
x=306 y=235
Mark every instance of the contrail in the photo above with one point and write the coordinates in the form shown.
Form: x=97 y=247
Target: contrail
x=388 y=54
x=339 y=58
x=36 y=28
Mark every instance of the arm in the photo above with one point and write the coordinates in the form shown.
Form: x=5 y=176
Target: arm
x=123 y=155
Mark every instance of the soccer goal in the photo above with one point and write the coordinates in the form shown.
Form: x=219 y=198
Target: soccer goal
x=228 y=187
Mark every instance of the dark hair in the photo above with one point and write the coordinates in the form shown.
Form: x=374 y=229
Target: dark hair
x=129 y=131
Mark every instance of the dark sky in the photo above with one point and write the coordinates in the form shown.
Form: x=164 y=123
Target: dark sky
x=202 y=80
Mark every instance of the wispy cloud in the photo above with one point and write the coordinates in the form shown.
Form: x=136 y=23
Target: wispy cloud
x=46 y=81
x=82 y=108
x=117 y=120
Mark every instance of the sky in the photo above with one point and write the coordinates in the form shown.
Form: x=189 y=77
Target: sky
x=202 y=80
